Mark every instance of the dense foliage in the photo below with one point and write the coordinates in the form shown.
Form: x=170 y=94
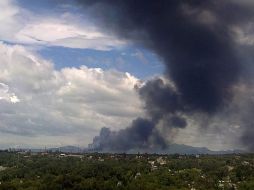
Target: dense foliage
x=53 y=171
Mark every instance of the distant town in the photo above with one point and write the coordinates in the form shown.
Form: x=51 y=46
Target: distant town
x=21 y=169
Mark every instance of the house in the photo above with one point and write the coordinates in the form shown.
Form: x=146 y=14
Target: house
x=161 y=161
x=137 y=175
x=62 y=155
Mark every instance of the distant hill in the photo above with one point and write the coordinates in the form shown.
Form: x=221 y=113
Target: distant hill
x=64 y=149
x=172 y=149
x=185 y=149
x=67 y=149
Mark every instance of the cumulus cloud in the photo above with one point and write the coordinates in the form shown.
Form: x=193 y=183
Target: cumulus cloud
x=67 y=106
x=6 y=95
x=60 y=29
x=41 y=106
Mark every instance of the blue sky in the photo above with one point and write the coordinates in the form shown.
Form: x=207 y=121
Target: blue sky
x=62 y=78
x=138 y=62
x=128 y=58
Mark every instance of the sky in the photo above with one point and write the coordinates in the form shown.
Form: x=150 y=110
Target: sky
x=63 y=77
x=56 y=76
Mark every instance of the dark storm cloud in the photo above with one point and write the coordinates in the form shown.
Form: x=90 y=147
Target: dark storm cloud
x=194 y=38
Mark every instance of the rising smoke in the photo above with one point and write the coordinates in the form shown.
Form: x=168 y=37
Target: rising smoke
x=197 y=42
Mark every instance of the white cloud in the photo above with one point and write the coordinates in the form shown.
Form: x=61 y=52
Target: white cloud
x=61 y=29
x=67 y=106
x=42 y=106
x=64 y=33
x=6 y=95
x=140 y=55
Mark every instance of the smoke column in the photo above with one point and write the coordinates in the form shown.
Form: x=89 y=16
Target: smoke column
x=197 y=43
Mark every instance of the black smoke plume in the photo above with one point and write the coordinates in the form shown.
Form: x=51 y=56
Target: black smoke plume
x=196 y=42
x=141 y=135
